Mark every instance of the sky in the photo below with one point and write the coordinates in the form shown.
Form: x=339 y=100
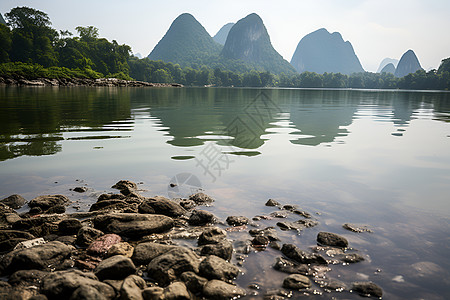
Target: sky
x=377 y=29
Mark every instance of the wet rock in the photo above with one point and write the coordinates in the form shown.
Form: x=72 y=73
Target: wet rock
x=48 y=201
x=114 y=205
x=290 y=267
x=102 y=244
x=125 y=185
x=67 y=239
x=115 y=267
x=145 y=252
x=162 y=206
x=116 y=284
x=213 y=267
x=10 y=238
x=272 y=202
x=33 y=223
x=302 y=213
x=243 y=246
x=296 y=282
x=222 y=249
x=356 y=228
x=122 y=248
x=133 y=225
x=220 y=290
x=193 y=282
x=152 y=293
x=332 y=239
x=176 y=291
x=290 y=226
x=260 y=240
x=57 y=209
x=293 y=252
x=332 y=285
x=86 y=235
x=29 y=243
x=269 y=232
x=14 y=201
x=8 y=216
x=80 y=189
x=351 y=258
x=27 y=277
x=39 y=257
x=187 y=204
x=211 y=235
x=132 y=288
x=69 y=226
x=367 y=289
x=201 y=218
x=201 y=198
x=168 y=266
x=62 y=284
x=87 y=293
x=275 y=245
x=308 y=223
x=290 y=207
x=279 y=214
x=103 y=197
x=237 y=220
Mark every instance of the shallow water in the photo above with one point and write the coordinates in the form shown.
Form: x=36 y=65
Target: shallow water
x=380 y=158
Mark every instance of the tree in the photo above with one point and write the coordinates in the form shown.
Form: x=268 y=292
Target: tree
x=5 y=43
x=87 y=34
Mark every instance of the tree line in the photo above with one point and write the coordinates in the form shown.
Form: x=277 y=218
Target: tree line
x=30 y=47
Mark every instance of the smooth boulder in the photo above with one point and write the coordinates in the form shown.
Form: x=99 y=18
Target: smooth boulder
x=115 y=267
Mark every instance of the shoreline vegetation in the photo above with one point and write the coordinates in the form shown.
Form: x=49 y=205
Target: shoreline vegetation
x=30 y=49
x=133 y=247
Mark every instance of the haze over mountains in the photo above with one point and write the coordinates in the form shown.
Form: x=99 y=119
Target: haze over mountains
x=321 y=51
x=408 y=64
x=387 y=61
x=222 y=34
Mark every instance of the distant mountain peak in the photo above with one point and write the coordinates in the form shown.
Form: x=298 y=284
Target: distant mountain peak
x=389 y=68
x=387 y=61
x=2 y=21
x=321 y=51
x=222 y=34
x=409 y=63
x=249 y=41
x=185 y=41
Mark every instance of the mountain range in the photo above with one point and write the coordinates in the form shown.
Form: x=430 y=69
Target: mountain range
x=246 y=45
x=321 y=51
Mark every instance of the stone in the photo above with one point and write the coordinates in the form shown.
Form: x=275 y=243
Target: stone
x=103 y=197
x=308 y=223
x=201 y=198
x=146 y=252
x=69 y=226
x=220 y=290
x=14 y=201
x=57 y=209
x=243 y=246
x=296 y=282
x=201 y=218
x=29 y=243
x=332 y=285
x=115 y=267
x=122 y=248
x=162 y=206
x=86 y=235
x=87 y=293
x=222 y=249
x=331 y=239
x=168 y=266
x=290 y=267
x=10 y=238
x=279 y=214
x=269 y=232
x=152 y=293
x=117 y=206
x=80 y=189
x=237 y=220
x=132 y=287
x=211 y=235
x=367 y=289
x=290 y=226
x=214 y=267
x=41 y=257
x=124 y=185
x=102 y=244
x=272 y=202
x=293 y=252
x=67 y=239
x=193 y=282
x=48 y=201
x=8 y=216
x=260 y=240
x=30 y=223
x=62 y=284
x=133 y=226
x=187 y=204
x=351 y=258
x=27 y=277
x=176 y=291
x=356 y=228
x=302 y=213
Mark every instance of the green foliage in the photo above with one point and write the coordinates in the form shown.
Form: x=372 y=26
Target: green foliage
x=5 y=43
x=34 y=71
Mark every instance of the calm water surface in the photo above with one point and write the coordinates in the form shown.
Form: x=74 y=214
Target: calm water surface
x=380 y=158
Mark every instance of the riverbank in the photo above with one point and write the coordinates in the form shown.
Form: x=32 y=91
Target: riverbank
x=108 y=82
x=133 y=247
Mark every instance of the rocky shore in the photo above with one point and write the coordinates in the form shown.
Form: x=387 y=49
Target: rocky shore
x=108 y=82
x=128 y=247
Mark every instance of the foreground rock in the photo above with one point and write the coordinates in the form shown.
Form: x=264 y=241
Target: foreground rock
x=146 y=252
x=220 y=290
x=115 y=267
x=332 y=239
x=63 y=284
x=300 y=256
x=133 y=225
x=367 y=289
x=48 y=201
x=40 y=257
x=14 y=201
x=296 y=282
x=162 y=206
x=213 y=267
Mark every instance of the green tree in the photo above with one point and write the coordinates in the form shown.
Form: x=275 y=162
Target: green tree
x=5 y=43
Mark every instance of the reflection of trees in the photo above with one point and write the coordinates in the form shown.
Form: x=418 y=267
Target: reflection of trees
x=32 y=120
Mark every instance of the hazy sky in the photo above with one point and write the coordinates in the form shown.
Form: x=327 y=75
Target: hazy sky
x=376 y=28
